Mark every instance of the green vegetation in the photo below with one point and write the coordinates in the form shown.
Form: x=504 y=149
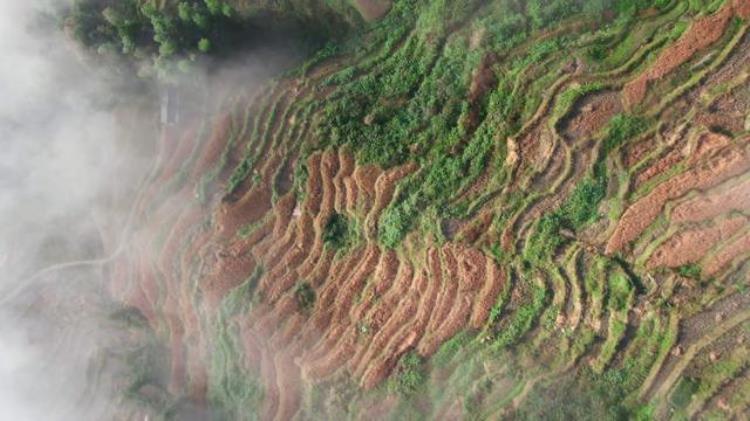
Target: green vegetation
x=473 y=97
x=583 y=396
x=337 y=232
x=148 y=370
x=171 y=35
x=409 y=375
x=450 y=348
x=581 y=207
x=129 y=316
x=683 y=393
x=233 y=391
x=691 y=270
x=143 y=29
x=522 y=320
x=567 y=99
x=413 y=105
x=615 y=333
x=304 y=294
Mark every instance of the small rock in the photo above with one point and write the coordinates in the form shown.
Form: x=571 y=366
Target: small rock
x=719 y=317
x=723 y=405
x=713 y=356
x=740 y=340
x=677 y=351
x=567 y=233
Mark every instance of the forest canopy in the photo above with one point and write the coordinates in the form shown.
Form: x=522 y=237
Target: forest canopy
x=173 y=35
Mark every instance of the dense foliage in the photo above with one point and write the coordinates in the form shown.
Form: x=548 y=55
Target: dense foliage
x=172 y=35
x=142 y=30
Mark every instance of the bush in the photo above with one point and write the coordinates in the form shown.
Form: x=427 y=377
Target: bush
x=410 y=375
x=622 y=127
x=336 y=233
x=304 y=294
x=691 y=270
x=522 y=321
x=582 y=206
x=545 y=240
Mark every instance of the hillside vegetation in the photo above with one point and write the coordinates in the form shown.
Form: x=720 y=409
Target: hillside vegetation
x=461 y=209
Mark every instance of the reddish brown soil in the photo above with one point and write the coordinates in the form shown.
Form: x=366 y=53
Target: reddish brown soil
x=706 y=144
x=714 y=203
x=250 y=208
x=529 y=146
x=723 y=164
x=724 y=121
x=692 y=245
x=592 y=114
x=471 y=268
x=701 y=34
x=352 y=193
x=737 y=247
x=182 y=152
x=314 y=184
x=482 y=81
x=346 y=164
x=384 y=320
x=487 y=298
x=634 y=152
x=211 y=151
x=372 y=10
x=365 y=178
x=472 y=232
x=371 y=307
x=741 y=8
x=664 y=164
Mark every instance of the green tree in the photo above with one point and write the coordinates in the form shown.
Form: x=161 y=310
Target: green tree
x=167 y=48
x=184 y=11
x=213 y=6
x=204 y=45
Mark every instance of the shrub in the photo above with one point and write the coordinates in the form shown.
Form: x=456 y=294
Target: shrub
x=204 y=45
x=691 y=270
x=304 y=294
x=621 y=128
x=522 y=321
x=410 y=375
x=336 y=233
x=581 y=207
x=545 y=240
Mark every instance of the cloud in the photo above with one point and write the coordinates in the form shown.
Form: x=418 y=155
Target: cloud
x=66 y=169
x=77 y=140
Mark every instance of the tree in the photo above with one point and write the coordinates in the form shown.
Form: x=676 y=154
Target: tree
x=167 y=48
x=213 y=6
x=184 y=11
x=204 y=45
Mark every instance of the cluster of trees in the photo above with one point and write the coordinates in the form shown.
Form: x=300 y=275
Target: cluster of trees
x=181 y=31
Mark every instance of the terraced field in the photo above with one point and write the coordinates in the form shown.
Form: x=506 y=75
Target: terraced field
x=468 y=210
